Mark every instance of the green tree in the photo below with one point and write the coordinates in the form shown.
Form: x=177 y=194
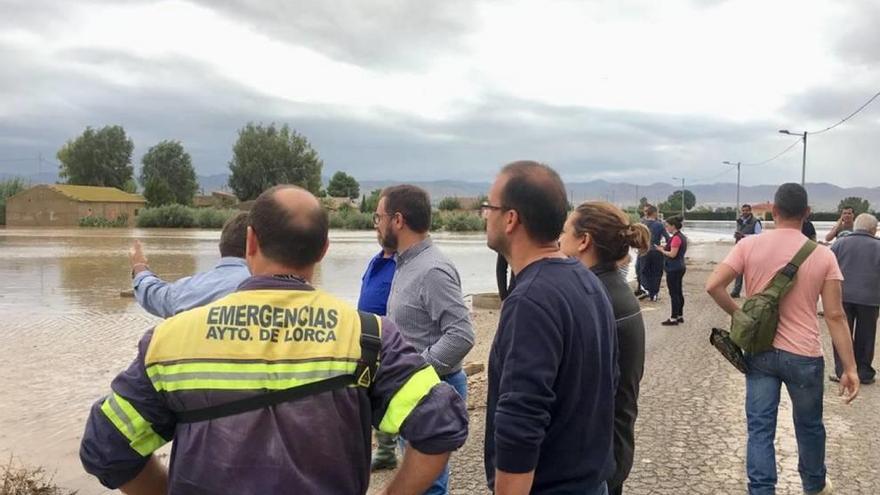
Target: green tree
x=859 y=205
x=97 y=158
x=168 y=175
x=265 y=156
x=449 y=204
x=673 y=202
x=343 y=185
x=8 y=188
x=369 y=204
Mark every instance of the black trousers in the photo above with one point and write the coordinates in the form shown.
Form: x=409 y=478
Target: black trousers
x=652 y=272
x=863 y=328
x=674 y=281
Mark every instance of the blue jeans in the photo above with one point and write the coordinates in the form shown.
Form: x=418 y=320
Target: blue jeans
x=458 y=381
x=802 y=377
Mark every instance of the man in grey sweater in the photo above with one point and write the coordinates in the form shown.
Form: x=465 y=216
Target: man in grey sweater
x=426 y=301
x=858 y=255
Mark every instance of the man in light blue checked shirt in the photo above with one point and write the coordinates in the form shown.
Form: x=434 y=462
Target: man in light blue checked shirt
x=166 y=299
x=426 y=302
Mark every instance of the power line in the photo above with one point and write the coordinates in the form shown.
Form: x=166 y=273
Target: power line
x=848 y=116
x=786 y=150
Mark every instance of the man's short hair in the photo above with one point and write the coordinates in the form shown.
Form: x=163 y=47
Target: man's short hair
x=847 y=207
x=650 y=209
x=410 y=201
x=865 y=221
x=537 y=194
x=233 y=238
x=746 y=206
x=791 y=200
x=292 y=238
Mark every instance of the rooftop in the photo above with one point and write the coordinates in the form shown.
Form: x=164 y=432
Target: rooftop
x=96 y=194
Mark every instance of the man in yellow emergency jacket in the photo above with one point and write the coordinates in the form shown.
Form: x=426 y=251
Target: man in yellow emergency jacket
x=268 y=390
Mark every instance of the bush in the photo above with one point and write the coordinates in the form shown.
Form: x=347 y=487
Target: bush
x=168 y=216
x=213 y=218
x=449 y=204
x=120 y=221
x=8 y=188
x=17 y=479
x=351 y=219
x=462 y=222
x=438 y=221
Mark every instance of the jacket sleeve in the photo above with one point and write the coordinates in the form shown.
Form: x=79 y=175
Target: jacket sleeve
x=155 y=295
x=445 y=304
x=127 y=426
x=408 y=398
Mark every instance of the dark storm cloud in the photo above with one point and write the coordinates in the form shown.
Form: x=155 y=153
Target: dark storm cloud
x=382 y=33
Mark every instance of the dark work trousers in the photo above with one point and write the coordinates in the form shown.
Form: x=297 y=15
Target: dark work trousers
x=674 y=280
x=640 y=284
x=863 y=327
x=652 y=271
x=737 y=285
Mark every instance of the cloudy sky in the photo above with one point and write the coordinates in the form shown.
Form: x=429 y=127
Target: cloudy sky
x=620 y=90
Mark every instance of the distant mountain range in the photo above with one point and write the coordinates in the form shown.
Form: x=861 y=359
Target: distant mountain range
x=823 y=196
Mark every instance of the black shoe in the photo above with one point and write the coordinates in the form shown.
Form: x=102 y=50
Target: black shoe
x=379 y=464
x=680 y=319
x=670 y=322
x=834 y=378
x=868 y=381
x=640 y=294
x=734 y=295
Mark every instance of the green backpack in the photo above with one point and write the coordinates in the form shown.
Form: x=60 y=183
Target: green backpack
x=753 y=326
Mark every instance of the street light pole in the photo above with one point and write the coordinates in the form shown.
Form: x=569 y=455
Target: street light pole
x=804 y=160
x=682 y=195
x=737 y=182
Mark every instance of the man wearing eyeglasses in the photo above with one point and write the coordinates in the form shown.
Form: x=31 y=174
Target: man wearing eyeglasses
x=426 y=300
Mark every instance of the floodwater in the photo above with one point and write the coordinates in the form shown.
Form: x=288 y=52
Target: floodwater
x=65 y=330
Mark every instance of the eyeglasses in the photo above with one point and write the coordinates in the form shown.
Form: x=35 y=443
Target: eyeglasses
x=485 y=208
x=378 y=216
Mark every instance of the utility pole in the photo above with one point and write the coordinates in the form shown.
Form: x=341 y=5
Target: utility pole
x=738 y=164
x=804 y=160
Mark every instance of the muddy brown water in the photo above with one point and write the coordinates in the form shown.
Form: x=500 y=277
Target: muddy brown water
x=65 y=331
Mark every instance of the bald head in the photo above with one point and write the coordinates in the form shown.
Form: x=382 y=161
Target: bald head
x=290 y=226
x=537 y=194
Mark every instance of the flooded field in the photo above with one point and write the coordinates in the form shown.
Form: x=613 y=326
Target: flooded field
x=65 y=332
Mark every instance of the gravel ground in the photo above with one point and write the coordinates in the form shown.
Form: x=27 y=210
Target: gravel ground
x=691 y=433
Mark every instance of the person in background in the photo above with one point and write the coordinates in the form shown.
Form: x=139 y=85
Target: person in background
x=426 y=301
x=858 y=255
x=375 y=287
x=808 y=229
x=652 y=261
x=675 y=250
x=166 y=299
x=553 y=363
x=598 y=234
x=844 y=225
x=746 y=225
x=796 y=358
x=203 y=378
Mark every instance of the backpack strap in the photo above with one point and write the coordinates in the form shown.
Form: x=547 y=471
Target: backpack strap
x=371 y=344
x=365 y=372
x=791 y=269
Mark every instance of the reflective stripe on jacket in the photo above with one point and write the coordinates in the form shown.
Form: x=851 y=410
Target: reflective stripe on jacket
x=271 y=334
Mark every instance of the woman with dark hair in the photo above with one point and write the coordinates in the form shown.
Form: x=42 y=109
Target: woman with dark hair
x=600 y=235
x=675 y=249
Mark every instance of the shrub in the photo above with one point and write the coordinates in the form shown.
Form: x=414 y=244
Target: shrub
x=8 y=188
x=351 y=219
x=168 y=216
x=120 y=221
x=437 y=221
x=449 y=204
x=463 y=222
x=213 y=218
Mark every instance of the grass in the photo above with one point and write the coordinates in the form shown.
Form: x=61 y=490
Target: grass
x=24 y=480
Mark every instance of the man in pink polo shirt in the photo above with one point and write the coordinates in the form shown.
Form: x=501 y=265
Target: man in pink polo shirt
x=796 y=359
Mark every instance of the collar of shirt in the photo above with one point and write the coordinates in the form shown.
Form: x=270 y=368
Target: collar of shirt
x=262 y=282
x=231 y=261
x=413 y=251
x=603 y=268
